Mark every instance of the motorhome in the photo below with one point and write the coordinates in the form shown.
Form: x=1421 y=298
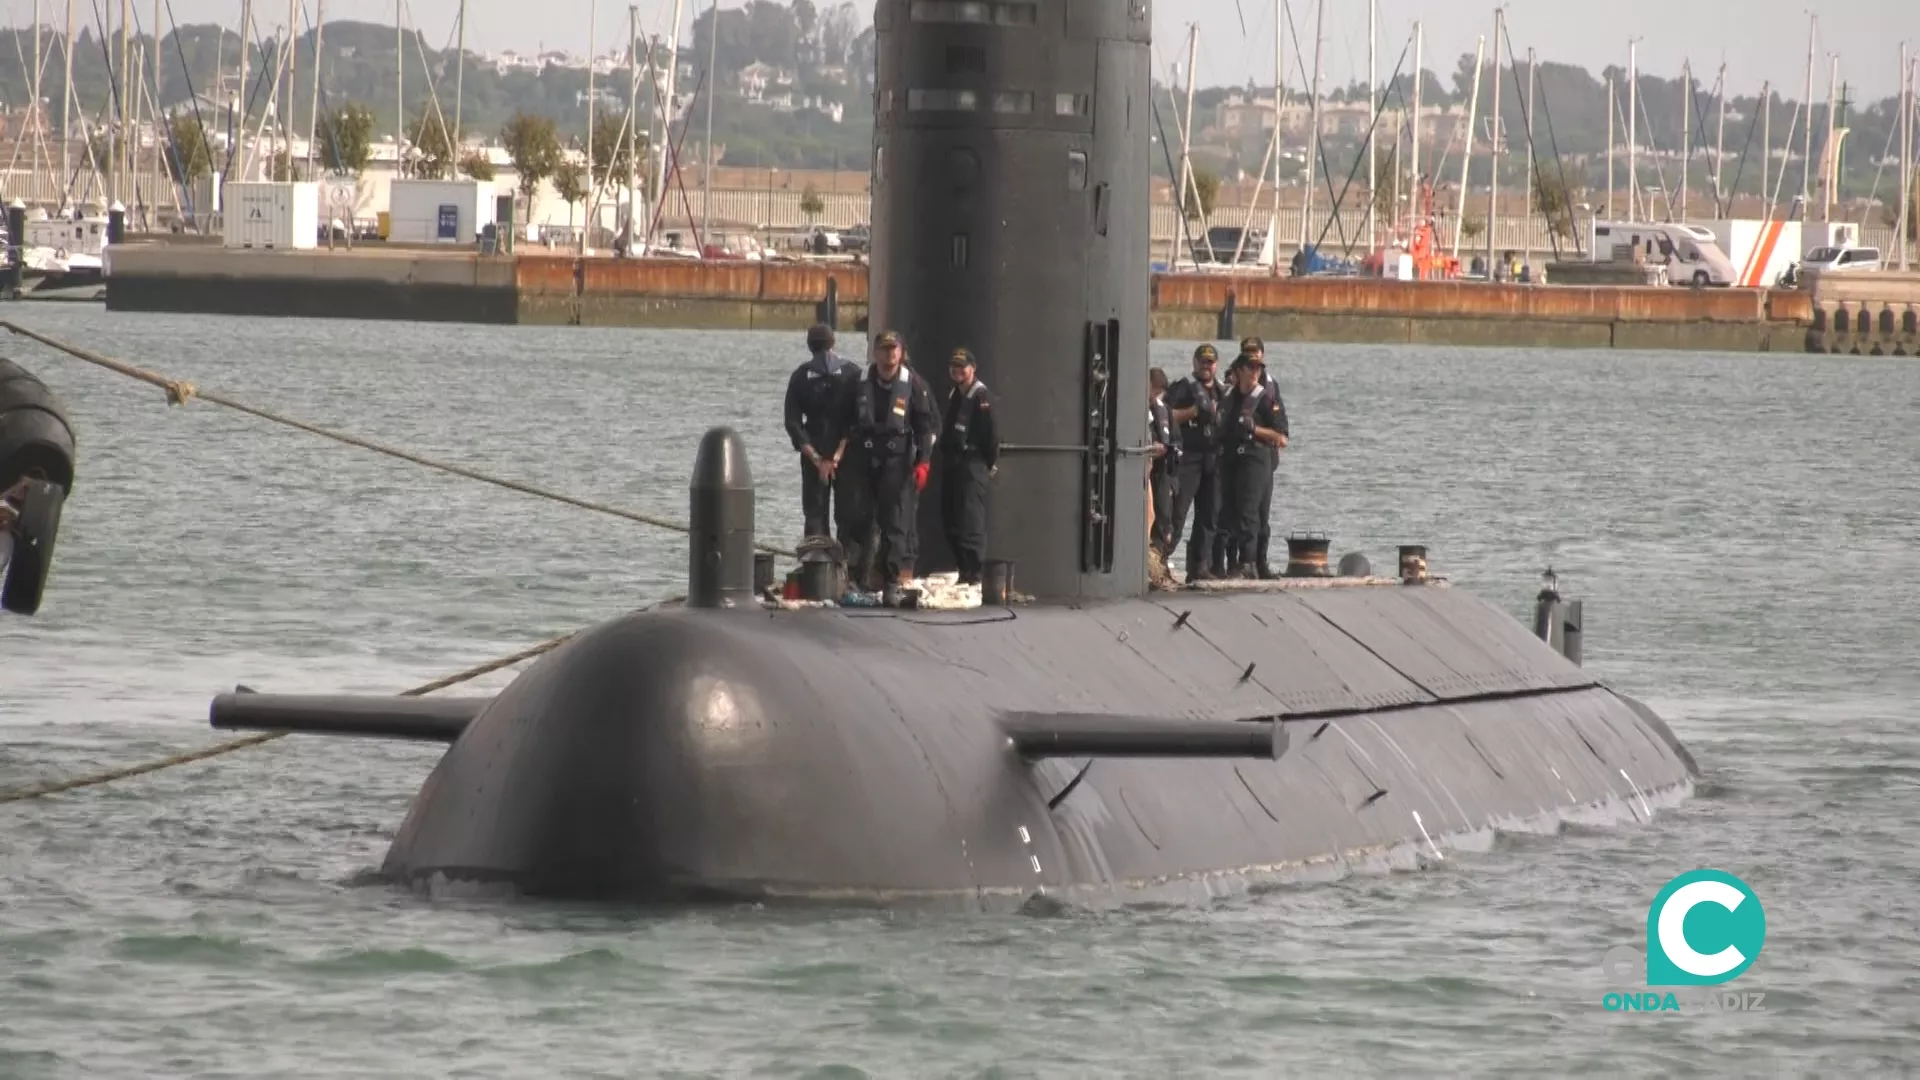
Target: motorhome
x=1690 y=253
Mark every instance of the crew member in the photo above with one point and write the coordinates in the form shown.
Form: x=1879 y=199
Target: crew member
x=1257 y=350
x=1194 y=406
x=1252 y=432
x=888 y=423
x=813 y=392
x=969 y=456
x=1165 y=465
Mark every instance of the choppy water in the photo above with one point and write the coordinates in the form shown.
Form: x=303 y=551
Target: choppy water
x=1746 y=531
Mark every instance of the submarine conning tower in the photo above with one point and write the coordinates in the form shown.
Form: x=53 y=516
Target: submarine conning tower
x=1010 y=216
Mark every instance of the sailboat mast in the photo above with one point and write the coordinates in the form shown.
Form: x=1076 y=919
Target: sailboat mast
x=1720 y=145
x=1313 y=122
x=1373 y=120
x=121 y=141
x=1633 y=129
x=633 y=118
x=66 y=114
x=1186 y=145
x=593 y=185
x=1279 y=107
x=399 y=92
x=1686 y=130
x=1829 y=163
x=39 y=113
x=313 y=114
x=1766 y=147
x=459 y=84
x=666 y=112
x=293 y=55
x=1419 y=79
x=1466 y=155
x=1527 y=217
x=1806 y=150
x=1496 y=148
x=240 y=95
x=706 y=168
x=1905 y=172
x=1611 y=112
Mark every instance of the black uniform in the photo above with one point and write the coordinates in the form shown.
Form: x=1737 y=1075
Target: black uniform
x=1197 y=490
x=1272 y=387
x=889 y=428
x=813 y=393
x=1161 y=475
x=969 y=449
x=1246 y=469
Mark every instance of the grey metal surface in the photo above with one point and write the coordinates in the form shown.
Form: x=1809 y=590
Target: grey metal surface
x=861 y=755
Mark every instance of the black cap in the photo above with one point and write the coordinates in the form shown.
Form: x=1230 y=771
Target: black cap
x=961 y=356
x=1250 y=344
x=1206 y=352
x=819 y=337
x=886 y=338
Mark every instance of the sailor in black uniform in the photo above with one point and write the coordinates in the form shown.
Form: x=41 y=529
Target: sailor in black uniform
x=1193 y=403
x=969 y=456
x=889 y=425
x=1257 y=350
x=1166 y=462
x=813 y=392
x=1252 y=431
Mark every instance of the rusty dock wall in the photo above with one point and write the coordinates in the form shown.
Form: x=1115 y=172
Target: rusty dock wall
x=545 y=289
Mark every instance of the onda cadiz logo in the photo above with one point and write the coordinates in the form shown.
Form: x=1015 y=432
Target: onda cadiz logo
x=1704 y=928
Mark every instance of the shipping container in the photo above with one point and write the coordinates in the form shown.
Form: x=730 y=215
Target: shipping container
x=271 y=215
x=439 y=211
x=1760 y=250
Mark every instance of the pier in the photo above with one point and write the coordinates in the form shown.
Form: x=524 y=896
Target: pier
x=545 y=289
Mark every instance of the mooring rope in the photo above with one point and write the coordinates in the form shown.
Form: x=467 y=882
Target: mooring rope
x=180 y=392
x=218 y=749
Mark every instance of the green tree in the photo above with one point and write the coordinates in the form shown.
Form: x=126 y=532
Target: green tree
x=534 y=145
x=433 y=148
x=1384 y=190
x=1201 y=192
x=1472 y=228
x=1551 y=201
x=811 y=204
x=570 y=183
x=189 y=157
x=346 y=139
x=477 y=165
x=280 y=166
x=611 y=164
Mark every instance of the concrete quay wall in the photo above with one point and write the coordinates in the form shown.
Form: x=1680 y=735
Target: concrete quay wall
x=544 y=289
x=1863 y=314
x=428 y=287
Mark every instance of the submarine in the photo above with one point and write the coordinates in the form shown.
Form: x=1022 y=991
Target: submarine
x=36 y=474
x=1078 y=737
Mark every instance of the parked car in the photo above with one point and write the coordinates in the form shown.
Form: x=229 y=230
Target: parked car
x=1835 y=259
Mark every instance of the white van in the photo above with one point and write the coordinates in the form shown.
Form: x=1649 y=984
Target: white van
x=1841 y=258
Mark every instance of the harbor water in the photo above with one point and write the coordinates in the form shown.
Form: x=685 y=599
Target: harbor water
x=1745 y=532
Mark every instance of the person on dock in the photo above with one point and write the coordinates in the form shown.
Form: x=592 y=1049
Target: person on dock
x=969 y=456
x=1194 y=406
x=1252 y=432
x=814 y=390
x=1165 y=465
x=1256 y=349
x=888 y=422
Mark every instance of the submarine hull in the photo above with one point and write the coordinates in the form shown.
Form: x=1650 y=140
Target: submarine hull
x=849 y=756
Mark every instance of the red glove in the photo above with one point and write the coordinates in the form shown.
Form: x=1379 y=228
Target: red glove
x=920 y=477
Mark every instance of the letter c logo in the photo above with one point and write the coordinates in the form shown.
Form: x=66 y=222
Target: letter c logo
x=1704 y=928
